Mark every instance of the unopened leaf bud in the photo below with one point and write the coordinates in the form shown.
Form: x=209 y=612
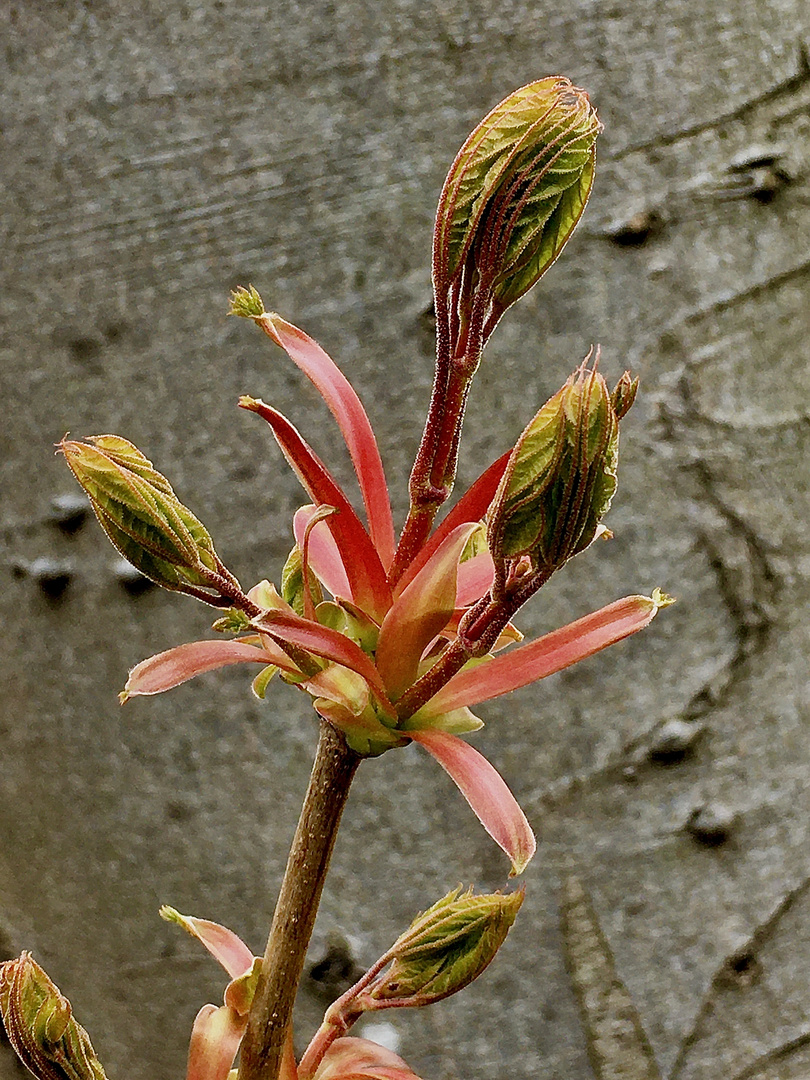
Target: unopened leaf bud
x=445 y=948
x=560 y=478
x=293 y=585
x=233 y=621
x=624 y=394
x=513 y=195
x=40 y=1025
x=145 y=520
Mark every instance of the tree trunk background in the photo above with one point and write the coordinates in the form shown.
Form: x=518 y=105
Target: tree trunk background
x=154 y=156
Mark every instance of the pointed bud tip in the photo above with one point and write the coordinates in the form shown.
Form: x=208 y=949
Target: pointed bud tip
x=520 y=860
x=73 y=452
x=246 y=303
x=519 y=866
x=624 y=394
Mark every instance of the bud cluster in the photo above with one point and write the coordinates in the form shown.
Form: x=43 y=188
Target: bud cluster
x=512 y=198
x=393 y=641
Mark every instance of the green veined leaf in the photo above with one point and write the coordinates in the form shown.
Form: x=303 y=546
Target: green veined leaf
x=446 y=948
x=505 y=190
x=40 y=1025
x=138 y=509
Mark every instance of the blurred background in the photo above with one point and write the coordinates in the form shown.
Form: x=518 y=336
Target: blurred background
x=156 y=155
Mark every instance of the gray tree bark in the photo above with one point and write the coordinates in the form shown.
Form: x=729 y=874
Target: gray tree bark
x=157 y=155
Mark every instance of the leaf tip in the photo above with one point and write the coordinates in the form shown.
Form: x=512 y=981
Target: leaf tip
x=521 y=858
x=246 y=303
x=662 y=599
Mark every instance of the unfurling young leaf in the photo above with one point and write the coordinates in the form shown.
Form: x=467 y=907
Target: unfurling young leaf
x=446 y=948
x=441 y=952
x=40 y=1025
x=513 y=195
x=147 y=523
x=299 y=586
x=292 y=582
x=561 y=475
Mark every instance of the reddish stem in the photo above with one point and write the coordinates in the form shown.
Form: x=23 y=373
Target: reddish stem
x=338 y=1019
x=434 y=469
x=477 y=633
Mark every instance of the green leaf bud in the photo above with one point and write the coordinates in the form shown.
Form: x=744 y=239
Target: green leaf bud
x=145 y=520
x=240 y=992
x=40 y=1025
x=624 y=394
x=512 y=198
x=444 y=949
x=292 y=583
x=358 y=626
x=560 y=478
x=233 y=621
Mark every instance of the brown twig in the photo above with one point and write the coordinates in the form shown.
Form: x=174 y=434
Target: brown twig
x=297 y=905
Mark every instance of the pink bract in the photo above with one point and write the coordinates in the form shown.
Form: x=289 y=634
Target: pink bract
x=403 y=628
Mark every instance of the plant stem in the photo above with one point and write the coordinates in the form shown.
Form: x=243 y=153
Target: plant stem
x=338 y=1019
x=434 y=470
x=270 y=1014
x=478 y=631
x=458 y=354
